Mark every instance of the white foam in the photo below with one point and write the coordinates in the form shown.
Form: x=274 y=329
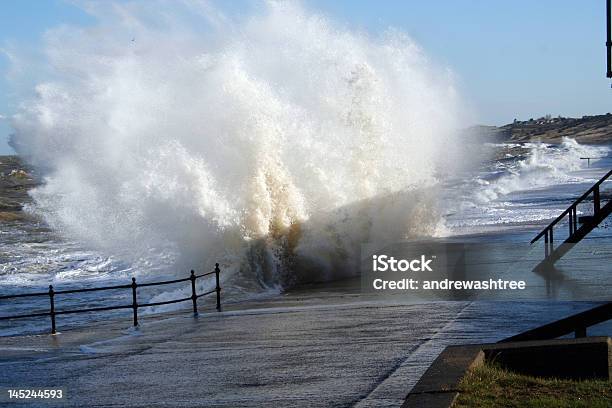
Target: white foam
x=252 y=142
x=528 y=190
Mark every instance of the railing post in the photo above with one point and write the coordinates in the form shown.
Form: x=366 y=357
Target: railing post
x=194 y=297
x=134 y=303
x=580 y=332
x=596 y=202
x=546 y=244
x=218 y=288
x=52 y=309
x=551 y=238
x=571 y=223
x=550 y=241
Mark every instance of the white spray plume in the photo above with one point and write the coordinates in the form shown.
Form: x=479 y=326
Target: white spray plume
x=268 y=142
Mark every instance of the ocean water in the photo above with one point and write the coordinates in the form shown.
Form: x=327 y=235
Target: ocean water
x=275 y=143
x=526 y=184
x=273 y=138
x=508 y=199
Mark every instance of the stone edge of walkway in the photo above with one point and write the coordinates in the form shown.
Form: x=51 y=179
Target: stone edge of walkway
x=439 y=386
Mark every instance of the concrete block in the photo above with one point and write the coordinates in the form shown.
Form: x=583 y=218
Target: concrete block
x=581 y=358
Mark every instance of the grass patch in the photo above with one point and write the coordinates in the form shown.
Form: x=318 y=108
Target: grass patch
x=492 y=386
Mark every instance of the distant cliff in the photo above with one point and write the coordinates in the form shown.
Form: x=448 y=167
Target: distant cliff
x=588 y=129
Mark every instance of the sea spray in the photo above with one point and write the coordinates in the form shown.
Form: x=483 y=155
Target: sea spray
x=275 y=143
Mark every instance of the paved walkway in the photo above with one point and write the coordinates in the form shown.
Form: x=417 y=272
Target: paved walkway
x=332 y=351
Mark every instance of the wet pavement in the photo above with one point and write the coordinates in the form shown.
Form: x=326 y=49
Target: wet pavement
x=307 y=349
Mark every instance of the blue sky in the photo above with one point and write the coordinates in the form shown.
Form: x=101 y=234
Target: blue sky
x=512 y=58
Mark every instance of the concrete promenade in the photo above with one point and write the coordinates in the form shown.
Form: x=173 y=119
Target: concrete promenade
x=318 y=350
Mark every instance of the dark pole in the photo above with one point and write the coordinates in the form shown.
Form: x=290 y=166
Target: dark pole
x=218 y=288
x=194 y=297
x=52 y=311
x=134 y=304
x=609 y=40
x=552 y=246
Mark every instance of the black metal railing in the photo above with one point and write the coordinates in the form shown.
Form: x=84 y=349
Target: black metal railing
x=576 y=324
x=571 y=212
x=134 y=305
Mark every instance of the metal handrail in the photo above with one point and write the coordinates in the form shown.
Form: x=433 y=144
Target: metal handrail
x=593 y=188
x=168 y=282
x=134 y=306
x=63 y=292
x=24 y=295
x=576 y=324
